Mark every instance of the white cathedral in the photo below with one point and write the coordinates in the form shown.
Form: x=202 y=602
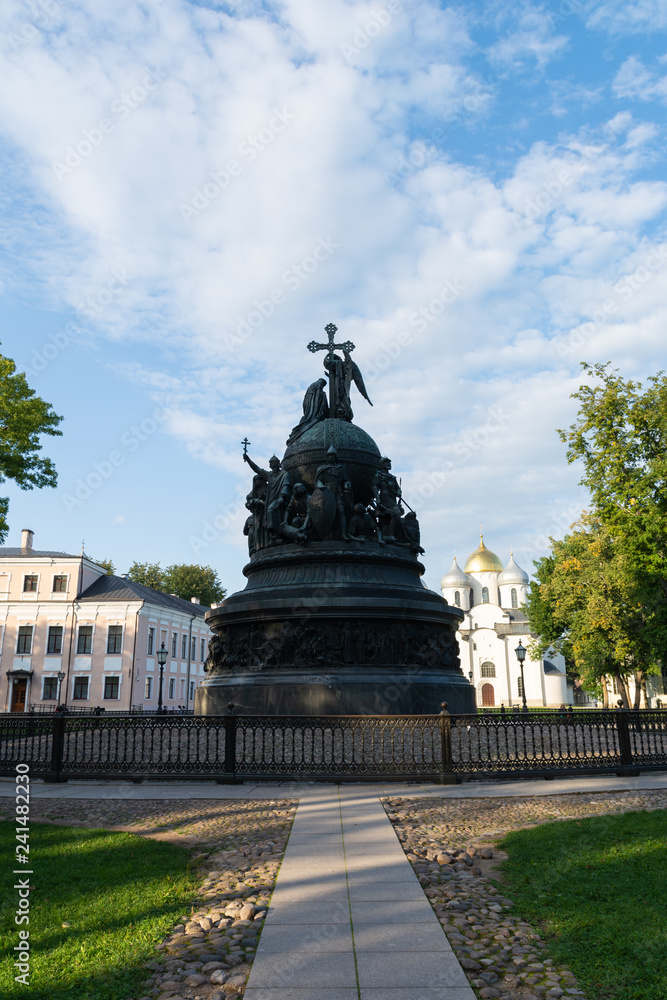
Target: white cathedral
x=495 y=622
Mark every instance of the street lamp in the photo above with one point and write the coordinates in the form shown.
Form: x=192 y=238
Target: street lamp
x=521 y=656
x=161 y=659
x=61 y=677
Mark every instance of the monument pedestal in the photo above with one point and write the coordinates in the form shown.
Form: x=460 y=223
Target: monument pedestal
x=335 y=629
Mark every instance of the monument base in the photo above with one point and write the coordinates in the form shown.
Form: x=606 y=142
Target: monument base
x=346 y=691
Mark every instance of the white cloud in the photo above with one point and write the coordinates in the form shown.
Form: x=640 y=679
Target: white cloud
x=529 y=44
x=636 y=81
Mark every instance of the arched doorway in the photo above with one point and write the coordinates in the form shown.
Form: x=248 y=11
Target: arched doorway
x=488 y=696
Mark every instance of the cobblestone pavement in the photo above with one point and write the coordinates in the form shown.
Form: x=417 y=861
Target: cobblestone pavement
x=450 y=843
x=239 y=845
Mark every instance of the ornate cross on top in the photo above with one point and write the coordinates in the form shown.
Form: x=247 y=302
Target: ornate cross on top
x=245 y=444
x=331 y=330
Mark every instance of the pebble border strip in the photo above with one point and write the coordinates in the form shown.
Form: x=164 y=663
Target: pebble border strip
x=447 y=840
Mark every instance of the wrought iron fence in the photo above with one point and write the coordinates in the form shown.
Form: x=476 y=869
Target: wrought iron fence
x=440 y=748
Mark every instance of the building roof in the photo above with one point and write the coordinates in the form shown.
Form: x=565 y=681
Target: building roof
x=482 y=560
x=13 y=553
x=513 y=574
x=117 y=588
x=454 y=577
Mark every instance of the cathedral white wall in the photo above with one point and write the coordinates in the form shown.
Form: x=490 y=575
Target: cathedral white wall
x=506 y=595
x=489 y=580
x=449 y=593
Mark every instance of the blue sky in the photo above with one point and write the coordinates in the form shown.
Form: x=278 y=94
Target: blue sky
x=475 y=194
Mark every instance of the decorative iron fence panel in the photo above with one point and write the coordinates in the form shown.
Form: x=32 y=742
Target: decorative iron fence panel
x=336 y=748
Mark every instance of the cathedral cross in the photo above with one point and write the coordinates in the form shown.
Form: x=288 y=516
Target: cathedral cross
x=331 y=330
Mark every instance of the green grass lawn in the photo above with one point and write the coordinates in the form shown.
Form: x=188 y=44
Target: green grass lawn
x=121 y=894
x=597 y=890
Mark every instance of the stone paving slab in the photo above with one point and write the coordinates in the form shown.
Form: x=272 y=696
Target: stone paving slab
x=379 y=938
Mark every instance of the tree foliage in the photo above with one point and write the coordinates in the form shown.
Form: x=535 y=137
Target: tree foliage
x=150 y=574
x=23 y=418
x=107 y=564
x=184 y=580
x=601 y=594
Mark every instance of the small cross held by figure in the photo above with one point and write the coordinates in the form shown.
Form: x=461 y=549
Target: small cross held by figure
x=245 y=444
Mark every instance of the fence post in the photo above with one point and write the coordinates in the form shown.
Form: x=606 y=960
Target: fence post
x=57 y=747
x=230 y=744
x=447 y=776
x=624 y=744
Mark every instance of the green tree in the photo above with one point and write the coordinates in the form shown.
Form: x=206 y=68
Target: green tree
x=620 y=435
x=194 y=581
x=150 y=574
x=107 y=564
x=23 y=417
x=584 y=603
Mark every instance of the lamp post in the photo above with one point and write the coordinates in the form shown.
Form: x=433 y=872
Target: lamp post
x=61 y=677
x=521 y=656
x=161 y=659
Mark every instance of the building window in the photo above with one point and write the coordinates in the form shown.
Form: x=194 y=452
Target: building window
x=151 y=641
x=149 y=688
x=515 y=599
x=485 y=595
x=472 y=597
x=202 y=650
x=457 y=598
x=60 y=585
x=29 y=584
x=84 y=643
x=54 y=643
x=183 y=688
x=172 y=686
x=184 y=647
x=520 y=687
x=80 y=689
x=192 y=690
x=488 y=669
x=163 y=639
x=50 y=689
x=24 y=644
x=193 y=649
x=111 y=688
x=174 y=643
x=115 y=639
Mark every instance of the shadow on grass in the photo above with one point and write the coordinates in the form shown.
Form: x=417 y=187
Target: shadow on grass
x=120 y=893
x=597 y=889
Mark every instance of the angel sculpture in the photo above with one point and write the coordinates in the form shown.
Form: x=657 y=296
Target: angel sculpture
x=341 y=372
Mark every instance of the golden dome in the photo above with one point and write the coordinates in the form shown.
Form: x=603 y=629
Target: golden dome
x=483 y=560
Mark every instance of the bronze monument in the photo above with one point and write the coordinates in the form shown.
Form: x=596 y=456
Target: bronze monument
x=334 y=619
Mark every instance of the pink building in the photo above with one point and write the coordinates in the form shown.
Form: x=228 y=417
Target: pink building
x=72 y=635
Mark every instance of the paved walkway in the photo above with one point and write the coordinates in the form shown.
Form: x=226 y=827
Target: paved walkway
x=348 y=919
x=83 y=789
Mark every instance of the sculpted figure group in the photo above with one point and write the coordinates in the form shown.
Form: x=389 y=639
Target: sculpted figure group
x=282 y=512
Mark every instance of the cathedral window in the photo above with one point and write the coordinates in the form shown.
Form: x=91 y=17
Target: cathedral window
x=485 y=595
x=488 y=669
x=515 y=599
x=472 y=597
x=457 y=598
